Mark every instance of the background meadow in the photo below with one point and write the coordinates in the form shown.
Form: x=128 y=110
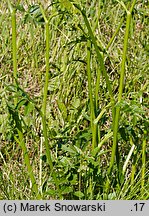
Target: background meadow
x=74 y=99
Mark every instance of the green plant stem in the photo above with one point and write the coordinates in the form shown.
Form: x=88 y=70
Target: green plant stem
x=115 y=33
x=44 y=104
x=101 y=62
x=100 y=59
x=97 y=48
x=14 y=44
x=120 y=92
x=97 y=17
x=97 y=88
x=92 y=108
x=99 y=56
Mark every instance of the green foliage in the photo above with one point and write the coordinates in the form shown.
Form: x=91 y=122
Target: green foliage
x=58 y=95
x=34 y=15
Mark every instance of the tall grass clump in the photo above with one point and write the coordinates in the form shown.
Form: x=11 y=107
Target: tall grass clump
x=74 y=100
